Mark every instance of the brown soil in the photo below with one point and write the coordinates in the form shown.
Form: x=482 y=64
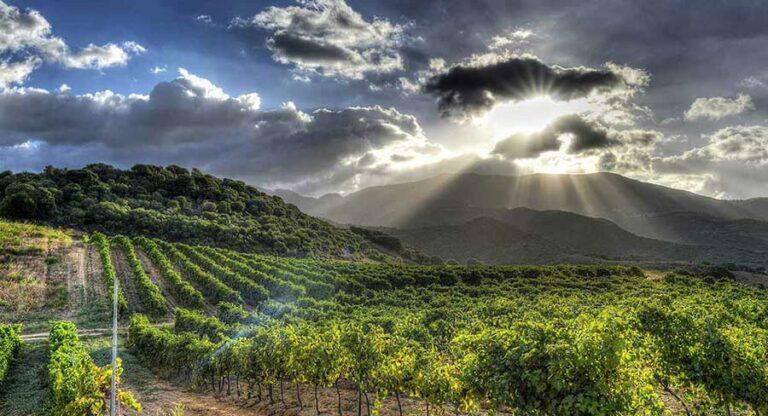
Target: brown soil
x=164 y=395
x=126 y=281
x=154 y=275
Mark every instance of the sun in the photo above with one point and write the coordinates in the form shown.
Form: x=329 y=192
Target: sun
x=531 y=115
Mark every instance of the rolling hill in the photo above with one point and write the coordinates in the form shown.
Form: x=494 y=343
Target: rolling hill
x=176 y=204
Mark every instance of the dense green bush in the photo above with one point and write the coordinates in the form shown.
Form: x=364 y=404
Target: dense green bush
x=9 y=347
x=76 y=385
x=175 y=204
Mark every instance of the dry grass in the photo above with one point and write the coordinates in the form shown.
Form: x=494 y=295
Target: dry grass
x=23 y=238
x=20 y=293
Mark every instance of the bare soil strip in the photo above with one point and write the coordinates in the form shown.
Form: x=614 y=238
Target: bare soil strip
x=127 y=283
x=154 y=275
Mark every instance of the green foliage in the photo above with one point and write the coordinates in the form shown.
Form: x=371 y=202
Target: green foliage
x=550 y=340
x=110 y=276
x=718 y=351
x=170 y=353
x=214 y=289
x=278 y=289
x=24 y=238
x=177 y=205
x=182 y=291
x=77 y=386
x=251 y=292
x=151 y=297
x=9 y=347
x=203 y=325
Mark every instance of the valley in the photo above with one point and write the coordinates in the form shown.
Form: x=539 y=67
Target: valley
x=608 y=323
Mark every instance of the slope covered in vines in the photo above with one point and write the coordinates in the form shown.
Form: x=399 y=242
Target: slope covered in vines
x=559 y=340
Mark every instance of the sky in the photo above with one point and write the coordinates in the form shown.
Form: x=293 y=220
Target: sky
x=324 y=96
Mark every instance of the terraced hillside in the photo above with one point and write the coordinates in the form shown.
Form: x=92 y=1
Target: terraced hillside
x=221 y=332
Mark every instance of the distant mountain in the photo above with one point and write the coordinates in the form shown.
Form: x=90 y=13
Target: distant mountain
x=756 y=207
x=601 y=215
x=522 y=235
x=489 y=241
x=452 y=199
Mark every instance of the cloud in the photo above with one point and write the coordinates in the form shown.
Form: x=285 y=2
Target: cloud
x=715 y=108
x=514 y=38
x=16 y=72
x=748 y=144
x=204 y=19
x=329 y=38
x=733 y=163
x=471 y=89
x=26 y=40
x=158 y=69
x=193 y=122
x=98 y=57
x=579 y=134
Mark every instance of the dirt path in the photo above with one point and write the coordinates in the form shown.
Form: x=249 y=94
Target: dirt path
x=81 y=333
x=94 y=275
x=127 y=283
x=73 y=266
x=154 y=275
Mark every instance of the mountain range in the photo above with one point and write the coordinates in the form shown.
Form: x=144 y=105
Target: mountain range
x=545 y=218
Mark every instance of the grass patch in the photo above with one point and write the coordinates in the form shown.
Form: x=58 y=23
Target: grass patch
x=22 y=238
x=21 y=294
x=24 y=393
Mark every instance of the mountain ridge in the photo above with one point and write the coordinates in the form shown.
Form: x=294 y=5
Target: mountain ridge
x=642 y=220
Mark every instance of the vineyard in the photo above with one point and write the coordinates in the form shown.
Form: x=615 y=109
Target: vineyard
x=342 y=337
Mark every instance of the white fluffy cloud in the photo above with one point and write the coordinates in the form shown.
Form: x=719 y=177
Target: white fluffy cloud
x=328 y=37
x=715 y=108
x=26 y=40
x=748 y=144
x=193 y=122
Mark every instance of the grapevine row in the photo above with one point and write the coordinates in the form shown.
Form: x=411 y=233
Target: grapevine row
x=215 y=290
x=9 y=347
x=110 y=276
x=251 y=292
x=151 y=297
x=278 y=289
x=76 y=385
x=182 y=291
x=197 y=323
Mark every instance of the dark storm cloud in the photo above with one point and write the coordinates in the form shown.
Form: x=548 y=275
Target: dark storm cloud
x=295 y=47
x=466 y=90
x=584 y=135
x=190 y=121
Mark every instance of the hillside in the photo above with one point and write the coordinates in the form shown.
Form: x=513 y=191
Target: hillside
x=176 y=204
x=524 y=236
x=604 y=195
x=220 y=332
x=489 y=241
x=601 y=215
